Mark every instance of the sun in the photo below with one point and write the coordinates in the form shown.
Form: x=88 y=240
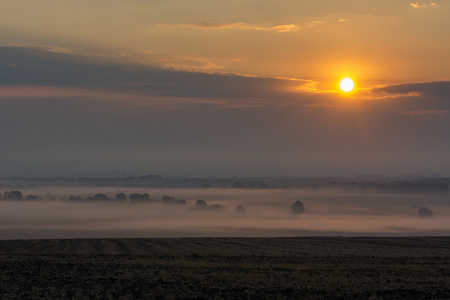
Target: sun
x=347 y=85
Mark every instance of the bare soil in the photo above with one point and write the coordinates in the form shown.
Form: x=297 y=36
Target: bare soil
x=226 y=268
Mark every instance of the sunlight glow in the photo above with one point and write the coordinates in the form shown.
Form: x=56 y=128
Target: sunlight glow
x=346 y=85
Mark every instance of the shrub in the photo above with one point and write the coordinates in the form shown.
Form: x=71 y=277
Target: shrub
x=425 y=212
x=297 y=207
x=121 y=197
x=240 y=209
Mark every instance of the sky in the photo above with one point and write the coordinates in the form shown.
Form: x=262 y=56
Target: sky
x=212 y=88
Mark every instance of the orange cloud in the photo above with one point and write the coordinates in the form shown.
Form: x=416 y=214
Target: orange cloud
x=222 y=25
x=422 y=5
x=284 y=28
x=378 y=95
x=417 y=5
x=191 y=64
x=213 y=25
x=49 y=48
x=320 y=105
x=314 y=23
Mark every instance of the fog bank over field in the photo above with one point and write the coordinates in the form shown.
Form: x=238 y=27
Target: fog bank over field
x=267 y=213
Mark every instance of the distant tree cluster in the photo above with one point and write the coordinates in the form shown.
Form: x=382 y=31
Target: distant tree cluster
x=134 y=198
x=139 y=198
x=121 y=197
x=425 y=212
x=13 y=195
x=17 y=195
x=201 y=205
x=172 y=200
x=298 y=207
x=100 y=197
x=31 y=197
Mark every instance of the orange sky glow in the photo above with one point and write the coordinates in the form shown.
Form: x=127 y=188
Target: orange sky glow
x=229 y=86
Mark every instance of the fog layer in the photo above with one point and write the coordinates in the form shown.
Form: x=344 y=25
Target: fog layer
x=267 y=213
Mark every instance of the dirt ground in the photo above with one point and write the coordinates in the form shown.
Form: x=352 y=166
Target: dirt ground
x=226 y=268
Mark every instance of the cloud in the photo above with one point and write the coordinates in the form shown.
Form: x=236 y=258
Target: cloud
x=422 y=5
x=17 y=92
x=177 y=62
x=418 y=5
x=377 y=94
x=425 y=112
x=188 y=63
x=56 y=49
x=285 y=28
x=140 y=111
x=64 y=72
x=84 y=76
x=217 y=25
x=314 y=23
x=223 y=25
x=439 y=88
x=321 y=105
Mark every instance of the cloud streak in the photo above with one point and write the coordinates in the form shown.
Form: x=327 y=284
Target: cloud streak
x=64 y=73
x=422 y=5
x=417 y=5
x=425 y=112
x=223 y=25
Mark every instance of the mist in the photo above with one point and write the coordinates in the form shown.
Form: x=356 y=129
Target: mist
x=267 y=214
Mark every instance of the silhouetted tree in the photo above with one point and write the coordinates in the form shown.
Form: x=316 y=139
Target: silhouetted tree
x=121 y=197
x=172 y=200
x=181 y=202
x=425 y=212
x=135 y=197
x=31 y=197
x=74 y=198
x=13 y=195
x=216 y=207
x=200 y=203
x=101 y=197
x=240 y=209
x=297 y=207
x=168 y=200
x=203 y=206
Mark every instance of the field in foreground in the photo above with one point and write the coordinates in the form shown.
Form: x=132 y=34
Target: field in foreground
x=226 y=268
